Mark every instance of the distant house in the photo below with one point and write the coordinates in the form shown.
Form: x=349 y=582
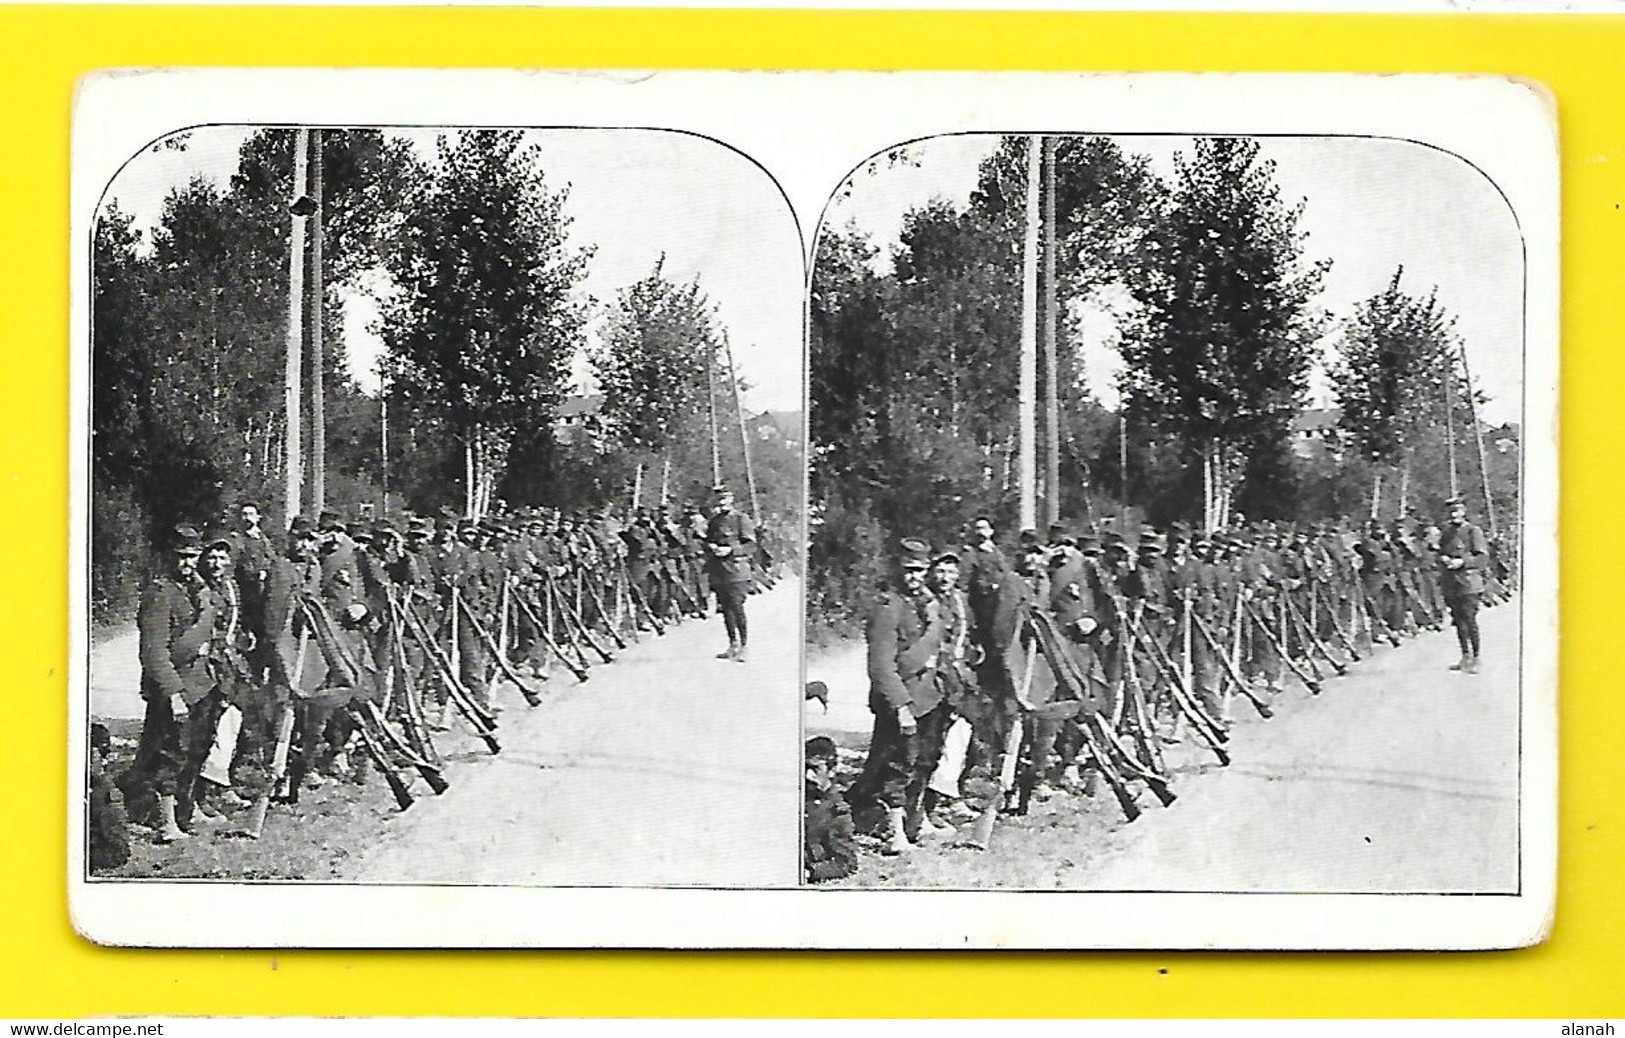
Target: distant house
x=580 y=419
x=783 y=426
x=1316 y=428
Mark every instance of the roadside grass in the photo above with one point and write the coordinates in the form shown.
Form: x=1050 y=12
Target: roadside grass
x=313 y=840
x=1052 y=847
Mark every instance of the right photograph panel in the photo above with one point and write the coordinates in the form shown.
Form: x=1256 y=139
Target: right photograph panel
x=1165 y=518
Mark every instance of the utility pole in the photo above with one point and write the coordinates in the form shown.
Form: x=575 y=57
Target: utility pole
x=1478 y=439
x=1449 y=426
x=383 y=440
x=293 y=381
x=711 y=400
x=744 y=440
x=314 y=284
x=1028 y=392
x=1122 y=456
x=1052 y=404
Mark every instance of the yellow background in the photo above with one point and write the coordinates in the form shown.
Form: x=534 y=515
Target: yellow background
x=47 y=971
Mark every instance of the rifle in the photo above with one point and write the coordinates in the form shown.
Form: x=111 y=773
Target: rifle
x=1092 y=724
x=1134 y=694
x=640 y=602
x=411 y=699
x=1429 y=620
x=695 y=608
x=1204 y=725
x=573 y=618
x=578 y=669
x=609 y=623
x=554 y=604
x=429 y=769
x=369 y=742
x=1375 y=618
x=530 y=694
x=484 y=725
x=279 y=757
x=1312 y=684
x=1230 y=671
x=1325 y=599
x=1314 y=641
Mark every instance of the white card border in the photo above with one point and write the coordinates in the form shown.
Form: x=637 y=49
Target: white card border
x=838 y=121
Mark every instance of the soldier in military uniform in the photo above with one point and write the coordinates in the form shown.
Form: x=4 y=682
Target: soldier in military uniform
x=175 y=622
x=1463 y=554
x=904 y=634
x=941 y=806
x=830 y=851
x=730 y=539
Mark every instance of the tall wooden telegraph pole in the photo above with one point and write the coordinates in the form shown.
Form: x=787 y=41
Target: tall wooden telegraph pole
x=302 y=374
x=1052 y=400
x=293 y=374
x=1028 y=392
x=315 y=350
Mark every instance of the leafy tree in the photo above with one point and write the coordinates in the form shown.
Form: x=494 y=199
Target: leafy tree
x=914 y=370
x=1218 y=352
x=651 y=364
x=189 y=333
x=487 y=316
x=1389 y=376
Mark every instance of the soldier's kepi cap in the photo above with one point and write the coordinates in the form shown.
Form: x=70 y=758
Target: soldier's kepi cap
x=1059 y=534
x=820 y=747
x=184 y=540
x=916 y=554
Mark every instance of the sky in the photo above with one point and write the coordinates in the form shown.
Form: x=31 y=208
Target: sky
x=634 y=194
x=1370 y=206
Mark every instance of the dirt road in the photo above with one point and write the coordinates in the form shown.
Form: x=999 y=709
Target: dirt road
x=668 y=767
x=1401 y=776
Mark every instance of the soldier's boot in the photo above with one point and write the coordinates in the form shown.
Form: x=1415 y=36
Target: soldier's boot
x=1464 y=664
x=981 y=836
x=896 y=838
x=917 y=823
x=733 y=650
x=168 y=830
x=1471 y=665
x=739 y=653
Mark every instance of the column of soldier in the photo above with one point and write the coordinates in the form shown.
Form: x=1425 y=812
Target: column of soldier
x=269 y=665
x=997 y=681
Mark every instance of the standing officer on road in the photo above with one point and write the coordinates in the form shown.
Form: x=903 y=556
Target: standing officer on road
x=730 y=539
x=1463 y=552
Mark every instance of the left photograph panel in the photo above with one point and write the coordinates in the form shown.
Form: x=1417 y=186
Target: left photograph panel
x=443 y=497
